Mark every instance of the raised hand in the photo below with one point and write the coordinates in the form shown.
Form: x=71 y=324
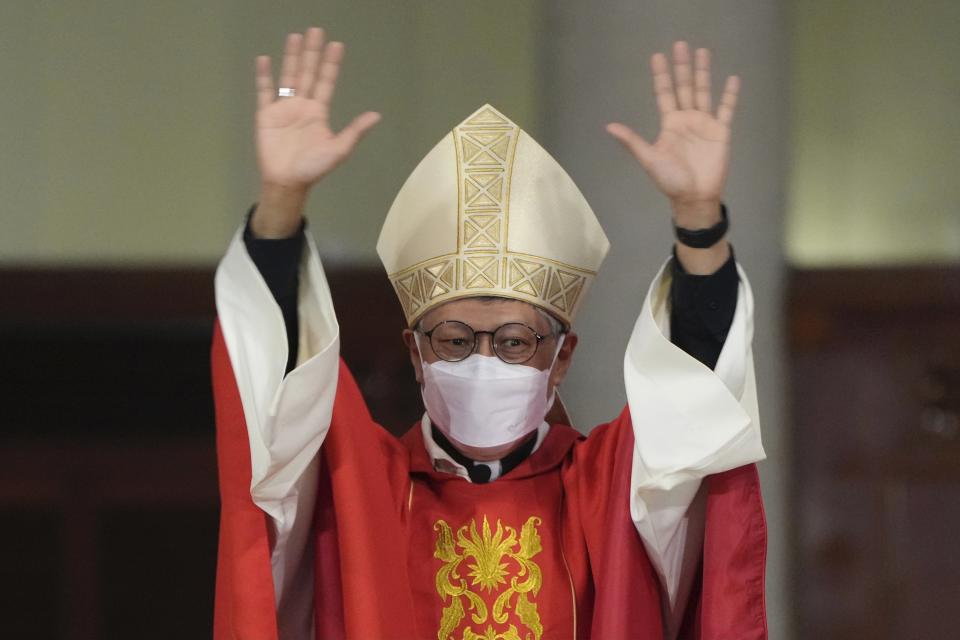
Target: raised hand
x=690 y=158
x=296 y=147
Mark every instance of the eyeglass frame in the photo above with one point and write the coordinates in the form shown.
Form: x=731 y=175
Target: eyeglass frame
x=493 y=345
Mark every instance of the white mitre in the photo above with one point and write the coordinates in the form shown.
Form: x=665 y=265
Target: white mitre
x=488 y=212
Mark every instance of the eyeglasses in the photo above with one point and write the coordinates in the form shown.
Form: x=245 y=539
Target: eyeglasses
x=514 y=342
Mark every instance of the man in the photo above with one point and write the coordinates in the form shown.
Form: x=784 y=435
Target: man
x=485 y=521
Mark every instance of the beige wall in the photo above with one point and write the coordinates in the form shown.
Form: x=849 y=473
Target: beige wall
x=127 y=137
x=127 y=133
x=875 y=141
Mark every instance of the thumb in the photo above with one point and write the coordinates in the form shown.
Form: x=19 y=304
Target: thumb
x=640 y=148
x=351 y=134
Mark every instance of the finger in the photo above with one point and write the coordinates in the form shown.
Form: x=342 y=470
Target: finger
x=640 y=148
x=701 y=79
x=329 y=70
x=351 y=134
x=291 y=60
x=309 y=61
x=663 y=84
x=728 y=101
x=684 y=74
x=264 y=81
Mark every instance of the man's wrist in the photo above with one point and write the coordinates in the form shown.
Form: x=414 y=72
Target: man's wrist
x=279 y=213
x=695 y=214
x=702 y=262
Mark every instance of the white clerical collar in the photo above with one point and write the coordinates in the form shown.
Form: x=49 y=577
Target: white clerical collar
x=444 y=463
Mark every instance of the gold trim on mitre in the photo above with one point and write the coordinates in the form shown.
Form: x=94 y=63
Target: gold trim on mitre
x=488 y=212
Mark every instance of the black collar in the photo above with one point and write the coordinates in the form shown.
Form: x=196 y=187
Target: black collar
x=480 y=472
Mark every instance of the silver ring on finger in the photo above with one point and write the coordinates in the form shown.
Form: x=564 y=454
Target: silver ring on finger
x=286 y=92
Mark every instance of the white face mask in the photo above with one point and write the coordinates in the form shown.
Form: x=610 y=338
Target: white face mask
x=482 y=401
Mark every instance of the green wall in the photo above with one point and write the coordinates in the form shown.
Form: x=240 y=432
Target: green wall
x=128 y=139
x=876 y=148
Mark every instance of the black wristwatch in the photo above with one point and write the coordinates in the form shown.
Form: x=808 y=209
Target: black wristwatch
x=704 y=238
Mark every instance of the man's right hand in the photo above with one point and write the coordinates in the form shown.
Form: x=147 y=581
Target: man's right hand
x=295 y=146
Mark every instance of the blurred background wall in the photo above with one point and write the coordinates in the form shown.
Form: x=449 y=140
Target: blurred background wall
x=873 y=150
x=127 y=163
x=131 y=137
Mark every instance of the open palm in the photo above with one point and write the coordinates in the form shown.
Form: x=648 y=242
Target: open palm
x=295 y=144
x=689 y=159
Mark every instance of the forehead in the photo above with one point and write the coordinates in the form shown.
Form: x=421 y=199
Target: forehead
x=486 y=313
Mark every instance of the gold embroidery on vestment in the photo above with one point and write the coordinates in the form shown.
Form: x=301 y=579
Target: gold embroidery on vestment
x=487 y=554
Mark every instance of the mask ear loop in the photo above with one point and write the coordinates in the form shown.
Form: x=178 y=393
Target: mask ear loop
x=556 y=354
x=554 y=396
x=416 y=339
x=423 y=363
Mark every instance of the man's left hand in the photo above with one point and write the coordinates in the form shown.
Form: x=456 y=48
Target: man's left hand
x=689 y=160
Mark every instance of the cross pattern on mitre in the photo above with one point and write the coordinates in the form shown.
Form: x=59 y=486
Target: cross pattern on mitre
x=485 y=146
x=480 y=272
x=508 y=239
x=558 y=287
x=438 y=279
x=421 y=286
x=482 y=231
x=527 y=276
x=410 y=292
x=564 y=289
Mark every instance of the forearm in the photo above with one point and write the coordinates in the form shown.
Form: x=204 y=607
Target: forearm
x=279 y=213
x=702 y=308
x=703 y=291
x=278 y=261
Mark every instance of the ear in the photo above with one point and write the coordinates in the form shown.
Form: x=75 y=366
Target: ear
x=411 y=341
x=564 y=359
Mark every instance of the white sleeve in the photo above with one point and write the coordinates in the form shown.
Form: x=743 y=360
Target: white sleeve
x=287 y=416
x=689 y=422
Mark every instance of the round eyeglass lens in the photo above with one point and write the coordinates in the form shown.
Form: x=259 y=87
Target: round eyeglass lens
x=515 y=343
x=452 y=340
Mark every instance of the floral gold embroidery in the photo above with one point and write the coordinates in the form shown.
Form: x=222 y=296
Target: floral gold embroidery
x=486 y=554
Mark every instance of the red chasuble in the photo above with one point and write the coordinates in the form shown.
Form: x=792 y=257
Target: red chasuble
x=546 y=551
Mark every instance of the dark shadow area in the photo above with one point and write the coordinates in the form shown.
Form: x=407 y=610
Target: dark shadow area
x=108 y=494
x=875 y=386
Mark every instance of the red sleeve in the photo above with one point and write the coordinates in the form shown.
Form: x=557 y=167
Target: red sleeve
x=627 y=592
x=244 y=606
x=361 y=585
x=362 y=589
x=365 y=477
x=729 y=599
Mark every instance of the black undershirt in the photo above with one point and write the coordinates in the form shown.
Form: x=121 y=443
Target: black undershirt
x=701 y=312
x=278 y=261
x=702 y=308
